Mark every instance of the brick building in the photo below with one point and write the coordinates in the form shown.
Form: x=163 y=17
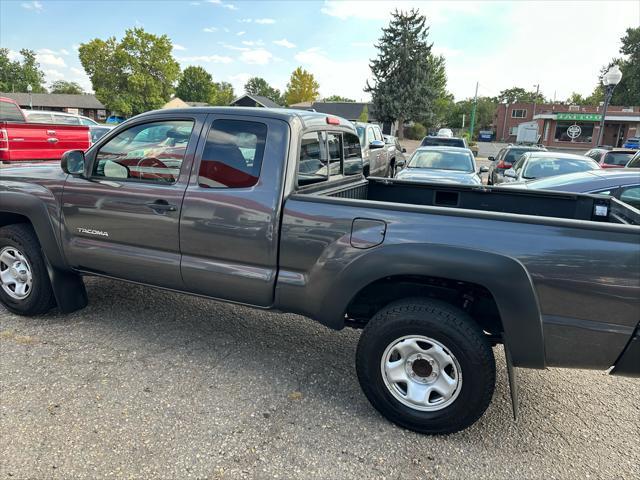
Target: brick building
x=555 y=119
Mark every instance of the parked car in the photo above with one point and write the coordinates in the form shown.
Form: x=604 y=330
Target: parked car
x=635 y=161
x=114 y=120
x=623 y=184
x=374 y=152
x=505 y=159
x=434 y=274
x=437 y=141
x=611 y=157
x=443 y=165
x=396 y=152
x=445 y=132
x=62 y=118
x=632 y=142
x=532 y=165
x=20 y=141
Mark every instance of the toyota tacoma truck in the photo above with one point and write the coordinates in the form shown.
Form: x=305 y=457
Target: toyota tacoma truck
x=269 y=208
x=22 y=141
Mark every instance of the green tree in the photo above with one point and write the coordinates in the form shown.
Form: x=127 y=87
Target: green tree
x=576 y=99
x=302 y=87
x=628 y=90
x=223 y=94
x=15 y=75
x=338 y=98
x=364 y=114
x=134 y=75
x=259 y=86
x=408 y=78
x=195 y=85
x=485 y=112
x=517 y=94
x=63 y=86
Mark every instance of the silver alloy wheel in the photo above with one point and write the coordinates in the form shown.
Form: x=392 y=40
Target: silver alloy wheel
x=16 y=278
x=421 y=373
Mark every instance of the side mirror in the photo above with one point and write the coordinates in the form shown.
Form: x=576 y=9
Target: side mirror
x=511 y=173
x=491 y=159
x=72 y=162
x=404 y=150
x=483 y=170
x=376 y=144
x=400 y=163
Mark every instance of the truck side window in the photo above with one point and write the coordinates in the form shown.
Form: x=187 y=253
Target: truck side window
x=352 y=154
x=232 y=156
x=149 y=151
x=312 y=166
x=370 y=135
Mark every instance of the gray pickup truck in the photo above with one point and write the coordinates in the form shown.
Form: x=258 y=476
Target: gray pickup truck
x=269 y=208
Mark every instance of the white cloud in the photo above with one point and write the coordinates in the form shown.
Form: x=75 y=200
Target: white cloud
x=567 y=61
x=230 y=6
x=251 y=43
x=77 y=71
x=34 y=6
x=238 y=81
x=284 y=43
x=258 y=56
x=206 y=59
x=64 y=51
x=215 y=2
x=209 y=29
x=47 y=57
x=265 y=21
x=177 y=46
x=13 y=55
x=75 y=46
x=436 y=11
x=246 y=20
x=240 y=33
x=344 y=77
x=51 y=75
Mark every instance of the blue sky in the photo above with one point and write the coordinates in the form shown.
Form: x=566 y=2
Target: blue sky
x=560 y=45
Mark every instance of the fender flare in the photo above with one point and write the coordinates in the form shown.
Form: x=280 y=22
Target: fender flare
x=68 y=287
x=505 y=278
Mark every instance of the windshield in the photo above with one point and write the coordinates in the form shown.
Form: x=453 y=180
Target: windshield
x=442 y=142
x=635 y=161
x=617 y=158
x=514 y=154
x=442 y=160
x=549 y=166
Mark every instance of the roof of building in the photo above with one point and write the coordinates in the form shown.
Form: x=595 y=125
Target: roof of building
x=59 y=100
x=348 y=110
x=259 y=99
x=198 y=104
x=175 y=103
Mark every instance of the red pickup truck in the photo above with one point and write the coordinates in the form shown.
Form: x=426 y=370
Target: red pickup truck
x=21 y=141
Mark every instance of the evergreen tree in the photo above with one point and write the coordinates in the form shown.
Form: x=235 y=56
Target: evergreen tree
x=364 y=115
x=408 y=78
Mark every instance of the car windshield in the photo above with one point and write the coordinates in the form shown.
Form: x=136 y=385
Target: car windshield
x=442 y=160
x=617 y=158
x=635 y=161
x=442 y=142
x=549 y=166
x=514 y=154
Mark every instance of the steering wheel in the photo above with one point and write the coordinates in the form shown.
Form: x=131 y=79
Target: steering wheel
x=152 y=162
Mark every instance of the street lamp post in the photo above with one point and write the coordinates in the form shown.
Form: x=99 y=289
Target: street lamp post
x=609 y=80
x=29 y=89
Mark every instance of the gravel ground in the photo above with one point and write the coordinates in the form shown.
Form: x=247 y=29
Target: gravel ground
x=149 y=384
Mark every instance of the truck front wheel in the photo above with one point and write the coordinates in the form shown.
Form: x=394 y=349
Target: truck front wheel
x=24 y=283
x=426 y=366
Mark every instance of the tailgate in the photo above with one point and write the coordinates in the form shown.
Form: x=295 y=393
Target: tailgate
x=34 y=141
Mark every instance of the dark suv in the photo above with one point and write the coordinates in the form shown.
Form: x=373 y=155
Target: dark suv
x=505 y=159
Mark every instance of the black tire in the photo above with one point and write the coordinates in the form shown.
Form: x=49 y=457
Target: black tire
x=458 y=333
x=40 y=299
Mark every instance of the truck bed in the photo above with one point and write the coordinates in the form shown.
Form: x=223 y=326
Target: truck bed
x=571 y=206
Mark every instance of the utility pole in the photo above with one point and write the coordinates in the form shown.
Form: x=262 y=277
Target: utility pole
x=463 y=118
x=535 y=100
x=472 y=123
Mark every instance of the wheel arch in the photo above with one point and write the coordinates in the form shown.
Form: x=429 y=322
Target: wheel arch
x=505 y=278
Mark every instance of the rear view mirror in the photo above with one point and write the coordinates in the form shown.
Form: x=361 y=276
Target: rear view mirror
x=491 y=159
x=72 y=162
x=404 y=150
x=483 y=170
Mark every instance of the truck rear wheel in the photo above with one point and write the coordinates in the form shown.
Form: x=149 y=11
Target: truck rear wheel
x=24 y=283
x=426 y=366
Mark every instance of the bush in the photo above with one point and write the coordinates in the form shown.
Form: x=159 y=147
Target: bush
x=417 y=131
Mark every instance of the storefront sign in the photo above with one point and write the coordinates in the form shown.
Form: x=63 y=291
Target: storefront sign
x=585 y=117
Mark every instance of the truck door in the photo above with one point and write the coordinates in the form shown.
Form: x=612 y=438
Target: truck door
x=123 y=219
x=229 y=230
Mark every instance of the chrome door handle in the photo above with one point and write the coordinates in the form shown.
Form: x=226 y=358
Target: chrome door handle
x=52 y=140
x=161 y=206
